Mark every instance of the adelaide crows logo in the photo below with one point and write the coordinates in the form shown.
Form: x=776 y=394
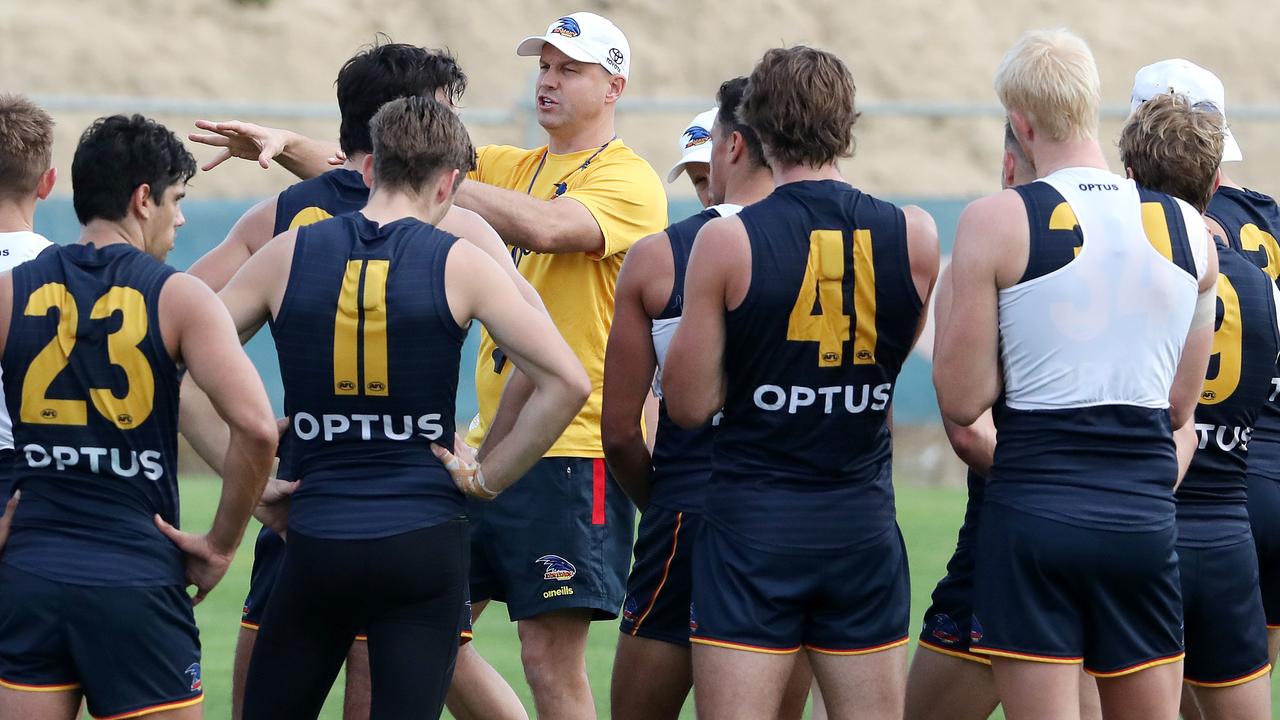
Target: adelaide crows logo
x=193 y=673
x=567 y=27
x=695 y=136
x=945 y=629
x=557 y=568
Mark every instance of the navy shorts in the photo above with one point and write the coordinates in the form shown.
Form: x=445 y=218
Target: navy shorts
x=850 y=603
x=1225 y=631
x=268 y=557
x=131 y=651
x=660 y=588
x=947 y=622
x=1264 y=517
x=560 y=538
x=1049 y=591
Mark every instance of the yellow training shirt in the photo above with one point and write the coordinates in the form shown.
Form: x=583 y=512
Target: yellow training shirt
x=627 y=200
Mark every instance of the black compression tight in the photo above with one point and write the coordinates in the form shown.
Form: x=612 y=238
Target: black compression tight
x=404 y=592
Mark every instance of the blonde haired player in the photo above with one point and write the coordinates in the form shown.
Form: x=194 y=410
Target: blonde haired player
x=1089 y=301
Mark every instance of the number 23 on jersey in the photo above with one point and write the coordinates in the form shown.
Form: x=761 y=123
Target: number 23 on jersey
x=125 y=412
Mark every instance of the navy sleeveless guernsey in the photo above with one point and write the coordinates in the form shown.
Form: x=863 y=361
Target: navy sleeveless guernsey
x=802 y=459
x=369 y=356
x=93 y=395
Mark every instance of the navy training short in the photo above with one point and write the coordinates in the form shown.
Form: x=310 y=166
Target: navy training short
x=132 y=651
x=1226 y=633
x=1049 y=591
x=849 y=603
x=660 y=588
x=559 y=539
x=1264 y=519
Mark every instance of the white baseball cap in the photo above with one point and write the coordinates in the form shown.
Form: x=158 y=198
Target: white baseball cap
x=1198 y=85
x=585 y=37
x=695 y=143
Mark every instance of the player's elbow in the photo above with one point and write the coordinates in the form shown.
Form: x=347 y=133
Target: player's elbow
x=965 y=441
x=957 y=405
x=618 y=435
x=1182 y=409
x=257 y=434
x=574 y=385
x=689 y=413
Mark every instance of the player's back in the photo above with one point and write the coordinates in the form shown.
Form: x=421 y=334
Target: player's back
x=681 y=458
x=802 y=457
x=1252 y=223
x=369 y=354
x=333 y=193
x=94 y=397
x=1091 y=338
x=1212 y=497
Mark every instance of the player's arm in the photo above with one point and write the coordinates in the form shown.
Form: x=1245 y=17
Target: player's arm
x=629 y=364
x=249 y=299
x=247 y=237
x=478 y=289
x=299 y=154
x=204 y=338
x=1185 y=442
x=922 y=254
x=975 y=444
x=469 y=226
x=693 y=380
x=560 y=225
x=966 y=369
x=1188 y=381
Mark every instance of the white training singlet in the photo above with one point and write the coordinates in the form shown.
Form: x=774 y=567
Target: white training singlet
x=1108 y=327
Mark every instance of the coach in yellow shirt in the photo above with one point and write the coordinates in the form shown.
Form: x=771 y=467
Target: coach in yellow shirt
x=556 y=546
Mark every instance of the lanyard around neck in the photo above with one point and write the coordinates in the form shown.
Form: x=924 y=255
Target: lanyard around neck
x=562 y=187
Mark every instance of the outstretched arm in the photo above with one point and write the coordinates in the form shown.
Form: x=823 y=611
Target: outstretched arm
x=299 y=154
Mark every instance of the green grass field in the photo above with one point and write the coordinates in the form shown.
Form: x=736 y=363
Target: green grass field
x=929 y=518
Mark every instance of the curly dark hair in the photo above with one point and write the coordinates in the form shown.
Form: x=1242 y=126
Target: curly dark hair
x=116 y=155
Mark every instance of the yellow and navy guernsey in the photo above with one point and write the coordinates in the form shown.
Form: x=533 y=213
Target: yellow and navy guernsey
x=94 y=398
x=626 y=198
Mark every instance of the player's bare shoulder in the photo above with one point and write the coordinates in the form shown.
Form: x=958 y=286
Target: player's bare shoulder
x=994 y=230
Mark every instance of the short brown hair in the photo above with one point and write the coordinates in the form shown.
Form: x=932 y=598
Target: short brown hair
x=26 y=134
x=800 y=102
x=415 y=139
x=1174 y=147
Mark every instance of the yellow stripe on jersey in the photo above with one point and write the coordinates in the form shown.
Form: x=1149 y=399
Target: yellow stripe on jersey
x=864 y=299
x=1156 y=225
x=307 y=216
x=346 y=328
x=376 y=378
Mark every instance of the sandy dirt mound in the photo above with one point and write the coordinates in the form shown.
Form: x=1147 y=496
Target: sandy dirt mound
x=288 y=51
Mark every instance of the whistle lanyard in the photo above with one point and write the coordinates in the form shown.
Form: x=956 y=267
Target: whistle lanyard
x=562 y=187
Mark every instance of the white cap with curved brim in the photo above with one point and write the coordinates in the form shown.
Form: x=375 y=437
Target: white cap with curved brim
x=585 y=37
x=1199 y=86
x=695 y=143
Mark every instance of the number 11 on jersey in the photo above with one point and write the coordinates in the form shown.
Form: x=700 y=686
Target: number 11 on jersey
x=823 y=283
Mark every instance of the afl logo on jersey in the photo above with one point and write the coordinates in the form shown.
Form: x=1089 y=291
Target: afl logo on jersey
x=377 y=386
x=696 y=135
x=346 y=385
x=124 y=419
x=567 y=27
x=49 y=414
